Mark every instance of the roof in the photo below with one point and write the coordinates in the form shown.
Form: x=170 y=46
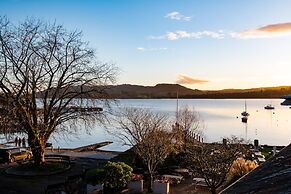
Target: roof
x=273 y=176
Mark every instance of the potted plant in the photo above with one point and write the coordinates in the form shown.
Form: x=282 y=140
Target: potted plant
x=161 y=186
x=136 y=184
x=116 y=176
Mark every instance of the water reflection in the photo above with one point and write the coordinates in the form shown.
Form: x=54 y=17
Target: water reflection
x=221 y=119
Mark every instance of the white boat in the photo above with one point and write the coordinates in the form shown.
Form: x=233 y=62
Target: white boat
x=269 y=107
x=245 y=113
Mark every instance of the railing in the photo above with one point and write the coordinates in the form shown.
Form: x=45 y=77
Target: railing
x=192 y=137
x=51 y=158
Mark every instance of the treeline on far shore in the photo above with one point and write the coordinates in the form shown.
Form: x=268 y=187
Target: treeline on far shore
x=127 y=91
x=174 y=90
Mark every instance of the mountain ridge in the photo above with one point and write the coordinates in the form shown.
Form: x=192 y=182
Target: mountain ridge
x=165 y=90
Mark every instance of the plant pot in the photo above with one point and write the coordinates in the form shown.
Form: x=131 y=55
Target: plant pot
x=161 y=187
x=135 y=186
x=94 y=188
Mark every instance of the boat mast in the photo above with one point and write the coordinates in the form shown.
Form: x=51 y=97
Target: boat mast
x=177 y=107
x=245 y=105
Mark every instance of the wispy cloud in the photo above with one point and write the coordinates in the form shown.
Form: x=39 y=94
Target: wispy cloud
x=180 y=34
x=142 y=49
x=183 y=79
x=178 y=16
x=268 y=31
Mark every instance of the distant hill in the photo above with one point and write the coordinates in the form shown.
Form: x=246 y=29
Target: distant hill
x=170 y=91
x=157 y=91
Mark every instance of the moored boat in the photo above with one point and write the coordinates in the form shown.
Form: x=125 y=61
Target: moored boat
x=245 y=113
x=269 y=107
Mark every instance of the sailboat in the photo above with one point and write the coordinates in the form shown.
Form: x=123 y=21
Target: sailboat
x=245 y=113
x=176 y=126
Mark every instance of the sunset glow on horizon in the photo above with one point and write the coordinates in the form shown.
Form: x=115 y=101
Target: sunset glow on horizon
x=201 y=44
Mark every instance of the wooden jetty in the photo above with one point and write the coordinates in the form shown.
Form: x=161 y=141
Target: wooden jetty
x=91 y=147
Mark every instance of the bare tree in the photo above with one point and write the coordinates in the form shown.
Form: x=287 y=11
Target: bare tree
x=213 y=161
x=48 y=76
x=189 y=120
x=149 y=134
x=189 y=125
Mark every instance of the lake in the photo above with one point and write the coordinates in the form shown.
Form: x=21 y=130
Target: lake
x=221 y=118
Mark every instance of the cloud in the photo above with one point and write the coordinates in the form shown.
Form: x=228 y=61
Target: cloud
x=183 y=79
x=177 y=16
x=268 y=31
x=142 y=49
x=172 y=36
x=156 y=37
x=180 y=34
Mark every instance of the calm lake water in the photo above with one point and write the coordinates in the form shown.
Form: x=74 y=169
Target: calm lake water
x=221 y=118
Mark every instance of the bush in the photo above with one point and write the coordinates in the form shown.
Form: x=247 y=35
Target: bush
x=117 y=175
x=95 y=176
x=239 y=168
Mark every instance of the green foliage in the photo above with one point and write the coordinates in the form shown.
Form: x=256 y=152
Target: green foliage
x=95 y=176
x=114 y=175
x=117 y=175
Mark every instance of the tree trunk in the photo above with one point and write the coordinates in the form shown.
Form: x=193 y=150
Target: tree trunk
x=150 y=186
x=38 y=151
x=213 y=190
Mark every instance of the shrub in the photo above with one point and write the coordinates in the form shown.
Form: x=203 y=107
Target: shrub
x=239 y=168
x=117 y=175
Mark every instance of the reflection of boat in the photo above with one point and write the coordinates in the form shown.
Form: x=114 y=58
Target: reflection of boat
x=269 y=107
x=244 y=119
x=246 y=131
x=245 y=113
x=287 y=101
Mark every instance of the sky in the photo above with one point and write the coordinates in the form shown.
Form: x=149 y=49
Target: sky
x=201 y=44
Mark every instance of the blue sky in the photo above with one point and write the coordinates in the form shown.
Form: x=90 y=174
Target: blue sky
x=201 y=44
